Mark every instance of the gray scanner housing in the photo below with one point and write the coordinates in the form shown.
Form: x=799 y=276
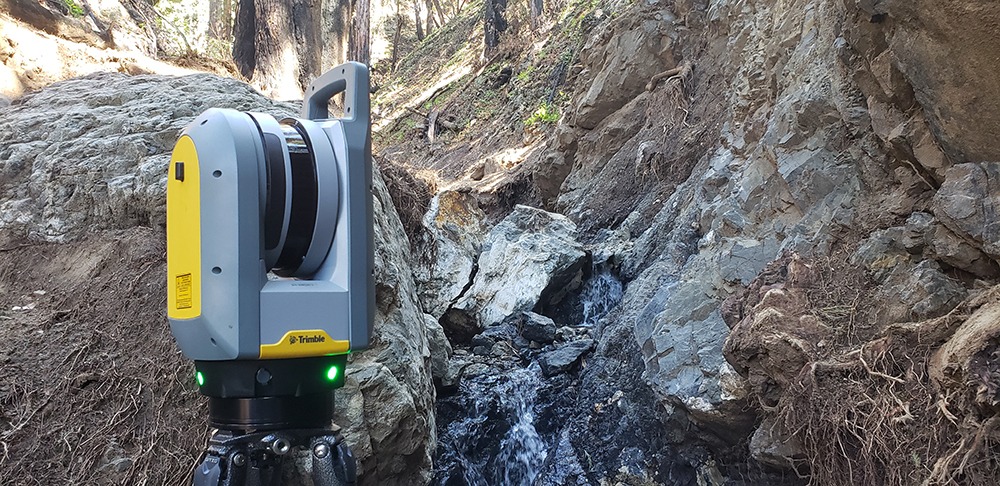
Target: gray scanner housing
x=242 y=309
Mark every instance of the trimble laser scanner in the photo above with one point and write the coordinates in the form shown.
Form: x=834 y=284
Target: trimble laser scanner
x=270 y=272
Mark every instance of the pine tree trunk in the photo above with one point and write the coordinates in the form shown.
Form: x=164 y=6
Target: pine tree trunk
x=276 y=45
x=359 y=47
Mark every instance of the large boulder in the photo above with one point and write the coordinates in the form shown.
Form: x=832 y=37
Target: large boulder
x=91 y=154
x=455 y=228
x=531 y=256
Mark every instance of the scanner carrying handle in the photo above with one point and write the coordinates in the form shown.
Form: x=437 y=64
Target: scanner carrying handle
x=350 y=78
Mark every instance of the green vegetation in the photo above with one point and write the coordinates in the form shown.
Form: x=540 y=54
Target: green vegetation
x=525 y=75
x=74 y=8
x=546 y=113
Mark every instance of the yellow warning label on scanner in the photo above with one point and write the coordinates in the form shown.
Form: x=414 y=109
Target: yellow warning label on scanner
x=184 y=295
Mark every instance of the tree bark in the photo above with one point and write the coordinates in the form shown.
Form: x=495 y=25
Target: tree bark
x=359 y=48
x=227 y=19
x=430 y=16
x=495 y=23
x=536 y=13
x=442 y=19
x=417 y=21
x=276 y=45
x=336 y=28
x=215 y=16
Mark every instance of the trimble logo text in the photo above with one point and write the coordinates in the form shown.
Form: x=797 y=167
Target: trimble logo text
x=304 y=339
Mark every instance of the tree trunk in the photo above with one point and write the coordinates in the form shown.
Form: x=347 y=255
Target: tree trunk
x=495 y=23
x=336 y=32
x=441 y=18
x=536 y=13
x=276 y=43
x=215 y=15
x=417 y=21
x=359 y=48
x=227 y=19
x=430 y=16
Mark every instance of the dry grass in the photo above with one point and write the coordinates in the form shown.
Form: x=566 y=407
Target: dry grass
x=866 y=410
x=93 y=388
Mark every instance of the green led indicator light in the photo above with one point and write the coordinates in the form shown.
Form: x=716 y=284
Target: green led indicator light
x=200 y=378
x=332 y=373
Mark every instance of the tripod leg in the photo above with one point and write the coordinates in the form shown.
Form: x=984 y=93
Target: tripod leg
x=333 y=463
x=208 y=471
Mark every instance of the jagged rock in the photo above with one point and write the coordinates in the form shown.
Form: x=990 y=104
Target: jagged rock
x=538 y=328
x=439 y=347
x=913 y=141
x=530 y=256
x=491 y=335
x=942 y=48
x=773 y=444
x=968 y=201
x=625 y=57
x=71 y=165
x=564 y=357
x=596 y=148
x=455 y=231
x=910 y=289
x=924 y=235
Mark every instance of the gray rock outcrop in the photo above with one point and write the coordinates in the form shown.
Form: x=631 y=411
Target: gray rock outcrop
x=813 y=129
x=91 y=154
x=621 y=61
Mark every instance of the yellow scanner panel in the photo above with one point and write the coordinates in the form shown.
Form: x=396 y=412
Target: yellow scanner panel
x=301 y=344
x=184 y=232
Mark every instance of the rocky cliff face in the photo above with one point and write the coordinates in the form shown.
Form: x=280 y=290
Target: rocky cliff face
x=85 y=159
x=833 y=136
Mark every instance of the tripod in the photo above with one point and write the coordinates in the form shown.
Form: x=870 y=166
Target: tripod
x=255 y=459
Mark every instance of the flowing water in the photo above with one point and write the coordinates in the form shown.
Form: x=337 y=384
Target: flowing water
x=602 y=292
x=490 y=430
x=496 y=442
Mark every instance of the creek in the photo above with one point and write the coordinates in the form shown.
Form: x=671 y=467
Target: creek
x=503 y=424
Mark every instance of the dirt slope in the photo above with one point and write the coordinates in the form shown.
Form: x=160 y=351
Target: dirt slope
x=93 y=391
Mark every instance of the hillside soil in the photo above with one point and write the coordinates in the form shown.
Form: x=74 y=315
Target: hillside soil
x=92 y=387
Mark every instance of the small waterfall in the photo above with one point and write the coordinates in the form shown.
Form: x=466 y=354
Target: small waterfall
x=489 y=430
x=599 y=295
x=522 y=451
